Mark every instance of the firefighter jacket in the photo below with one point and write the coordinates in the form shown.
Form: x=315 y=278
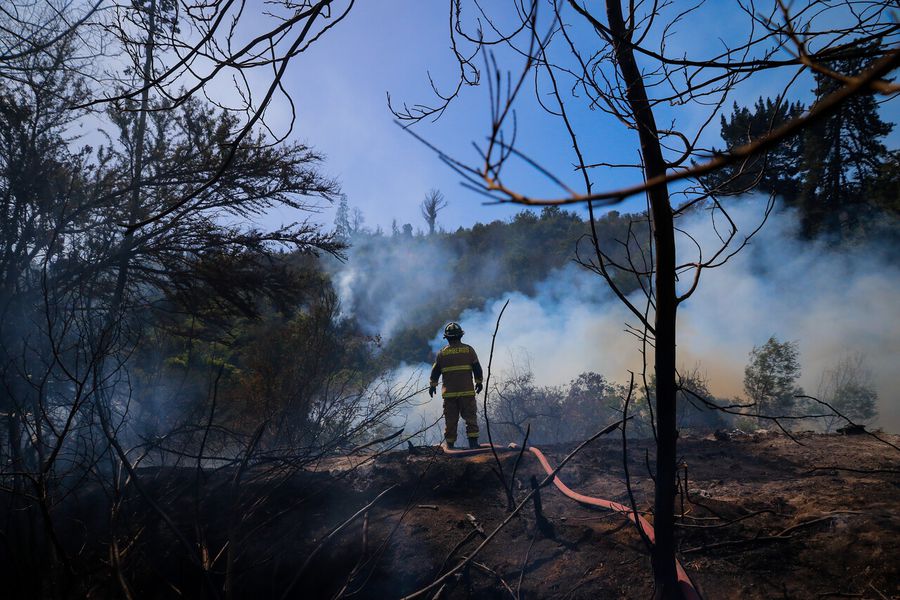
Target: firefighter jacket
x=457 y=363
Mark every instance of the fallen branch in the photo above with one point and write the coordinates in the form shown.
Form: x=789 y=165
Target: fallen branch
x=491 y=571
x=863 y=471
x=373 y=442
x=792 y=528
x=785 y=534
x=877 y=591
x=725 y=543
x=469 y=536
x=727 y=523
x=477 y=529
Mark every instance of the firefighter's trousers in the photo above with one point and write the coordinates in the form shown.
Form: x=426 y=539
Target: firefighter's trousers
x=468 y=408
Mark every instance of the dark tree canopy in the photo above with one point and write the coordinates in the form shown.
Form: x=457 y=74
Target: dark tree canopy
x=778 y=170
x=843 y=158
x=838 y=173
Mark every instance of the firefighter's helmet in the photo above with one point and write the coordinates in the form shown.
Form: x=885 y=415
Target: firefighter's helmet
x=453 y=330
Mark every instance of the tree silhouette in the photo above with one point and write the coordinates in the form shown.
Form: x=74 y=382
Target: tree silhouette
x=770 y=376
x=433 y=203
x=843 y=157
x=847 y=386
x=776 y=171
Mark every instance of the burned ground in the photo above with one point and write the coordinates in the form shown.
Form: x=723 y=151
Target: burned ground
x=763 y=517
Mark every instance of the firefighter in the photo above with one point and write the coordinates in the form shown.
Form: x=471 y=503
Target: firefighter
x=458 y=364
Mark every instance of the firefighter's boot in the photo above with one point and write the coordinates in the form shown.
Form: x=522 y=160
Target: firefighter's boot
x=449 y=445
x=473 y=443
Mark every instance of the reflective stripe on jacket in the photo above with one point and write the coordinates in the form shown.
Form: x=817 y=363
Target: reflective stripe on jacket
x=457 y=364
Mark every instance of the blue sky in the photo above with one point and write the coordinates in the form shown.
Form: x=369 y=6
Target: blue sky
x=340 y=88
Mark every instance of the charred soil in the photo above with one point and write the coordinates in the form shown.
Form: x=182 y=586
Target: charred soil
x=759 y=516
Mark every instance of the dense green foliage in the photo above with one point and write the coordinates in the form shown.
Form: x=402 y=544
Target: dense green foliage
x=141 y=323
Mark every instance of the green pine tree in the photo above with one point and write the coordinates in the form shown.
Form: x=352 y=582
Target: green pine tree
x=777 y=171
x=844 y=155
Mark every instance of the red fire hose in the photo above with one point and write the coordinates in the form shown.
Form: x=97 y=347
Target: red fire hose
x=687 y=587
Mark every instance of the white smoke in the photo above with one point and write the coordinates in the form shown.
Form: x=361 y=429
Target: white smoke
x=383 y=285
x=570 y=326
x=831 y=302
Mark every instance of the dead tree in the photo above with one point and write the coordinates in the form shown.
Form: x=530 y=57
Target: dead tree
x=629 y=75
x=433 y=203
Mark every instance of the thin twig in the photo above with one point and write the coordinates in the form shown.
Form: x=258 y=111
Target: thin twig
x=487 y=422
x=491 y=571
x=522 y=570
x=363 y=511
x=512 y=478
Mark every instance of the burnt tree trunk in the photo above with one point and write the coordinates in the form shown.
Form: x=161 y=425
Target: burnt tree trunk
x=663 y=553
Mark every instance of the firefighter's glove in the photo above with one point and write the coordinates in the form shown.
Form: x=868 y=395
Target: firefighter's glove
x=432 y=391
x=478 y=388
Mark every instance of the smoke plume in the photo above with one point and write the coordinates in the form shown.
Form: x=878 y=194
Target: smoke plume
x=832 y=302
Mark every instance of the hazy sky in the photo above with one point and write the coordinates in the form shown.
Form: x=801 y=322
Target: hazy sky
x=340 y=89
